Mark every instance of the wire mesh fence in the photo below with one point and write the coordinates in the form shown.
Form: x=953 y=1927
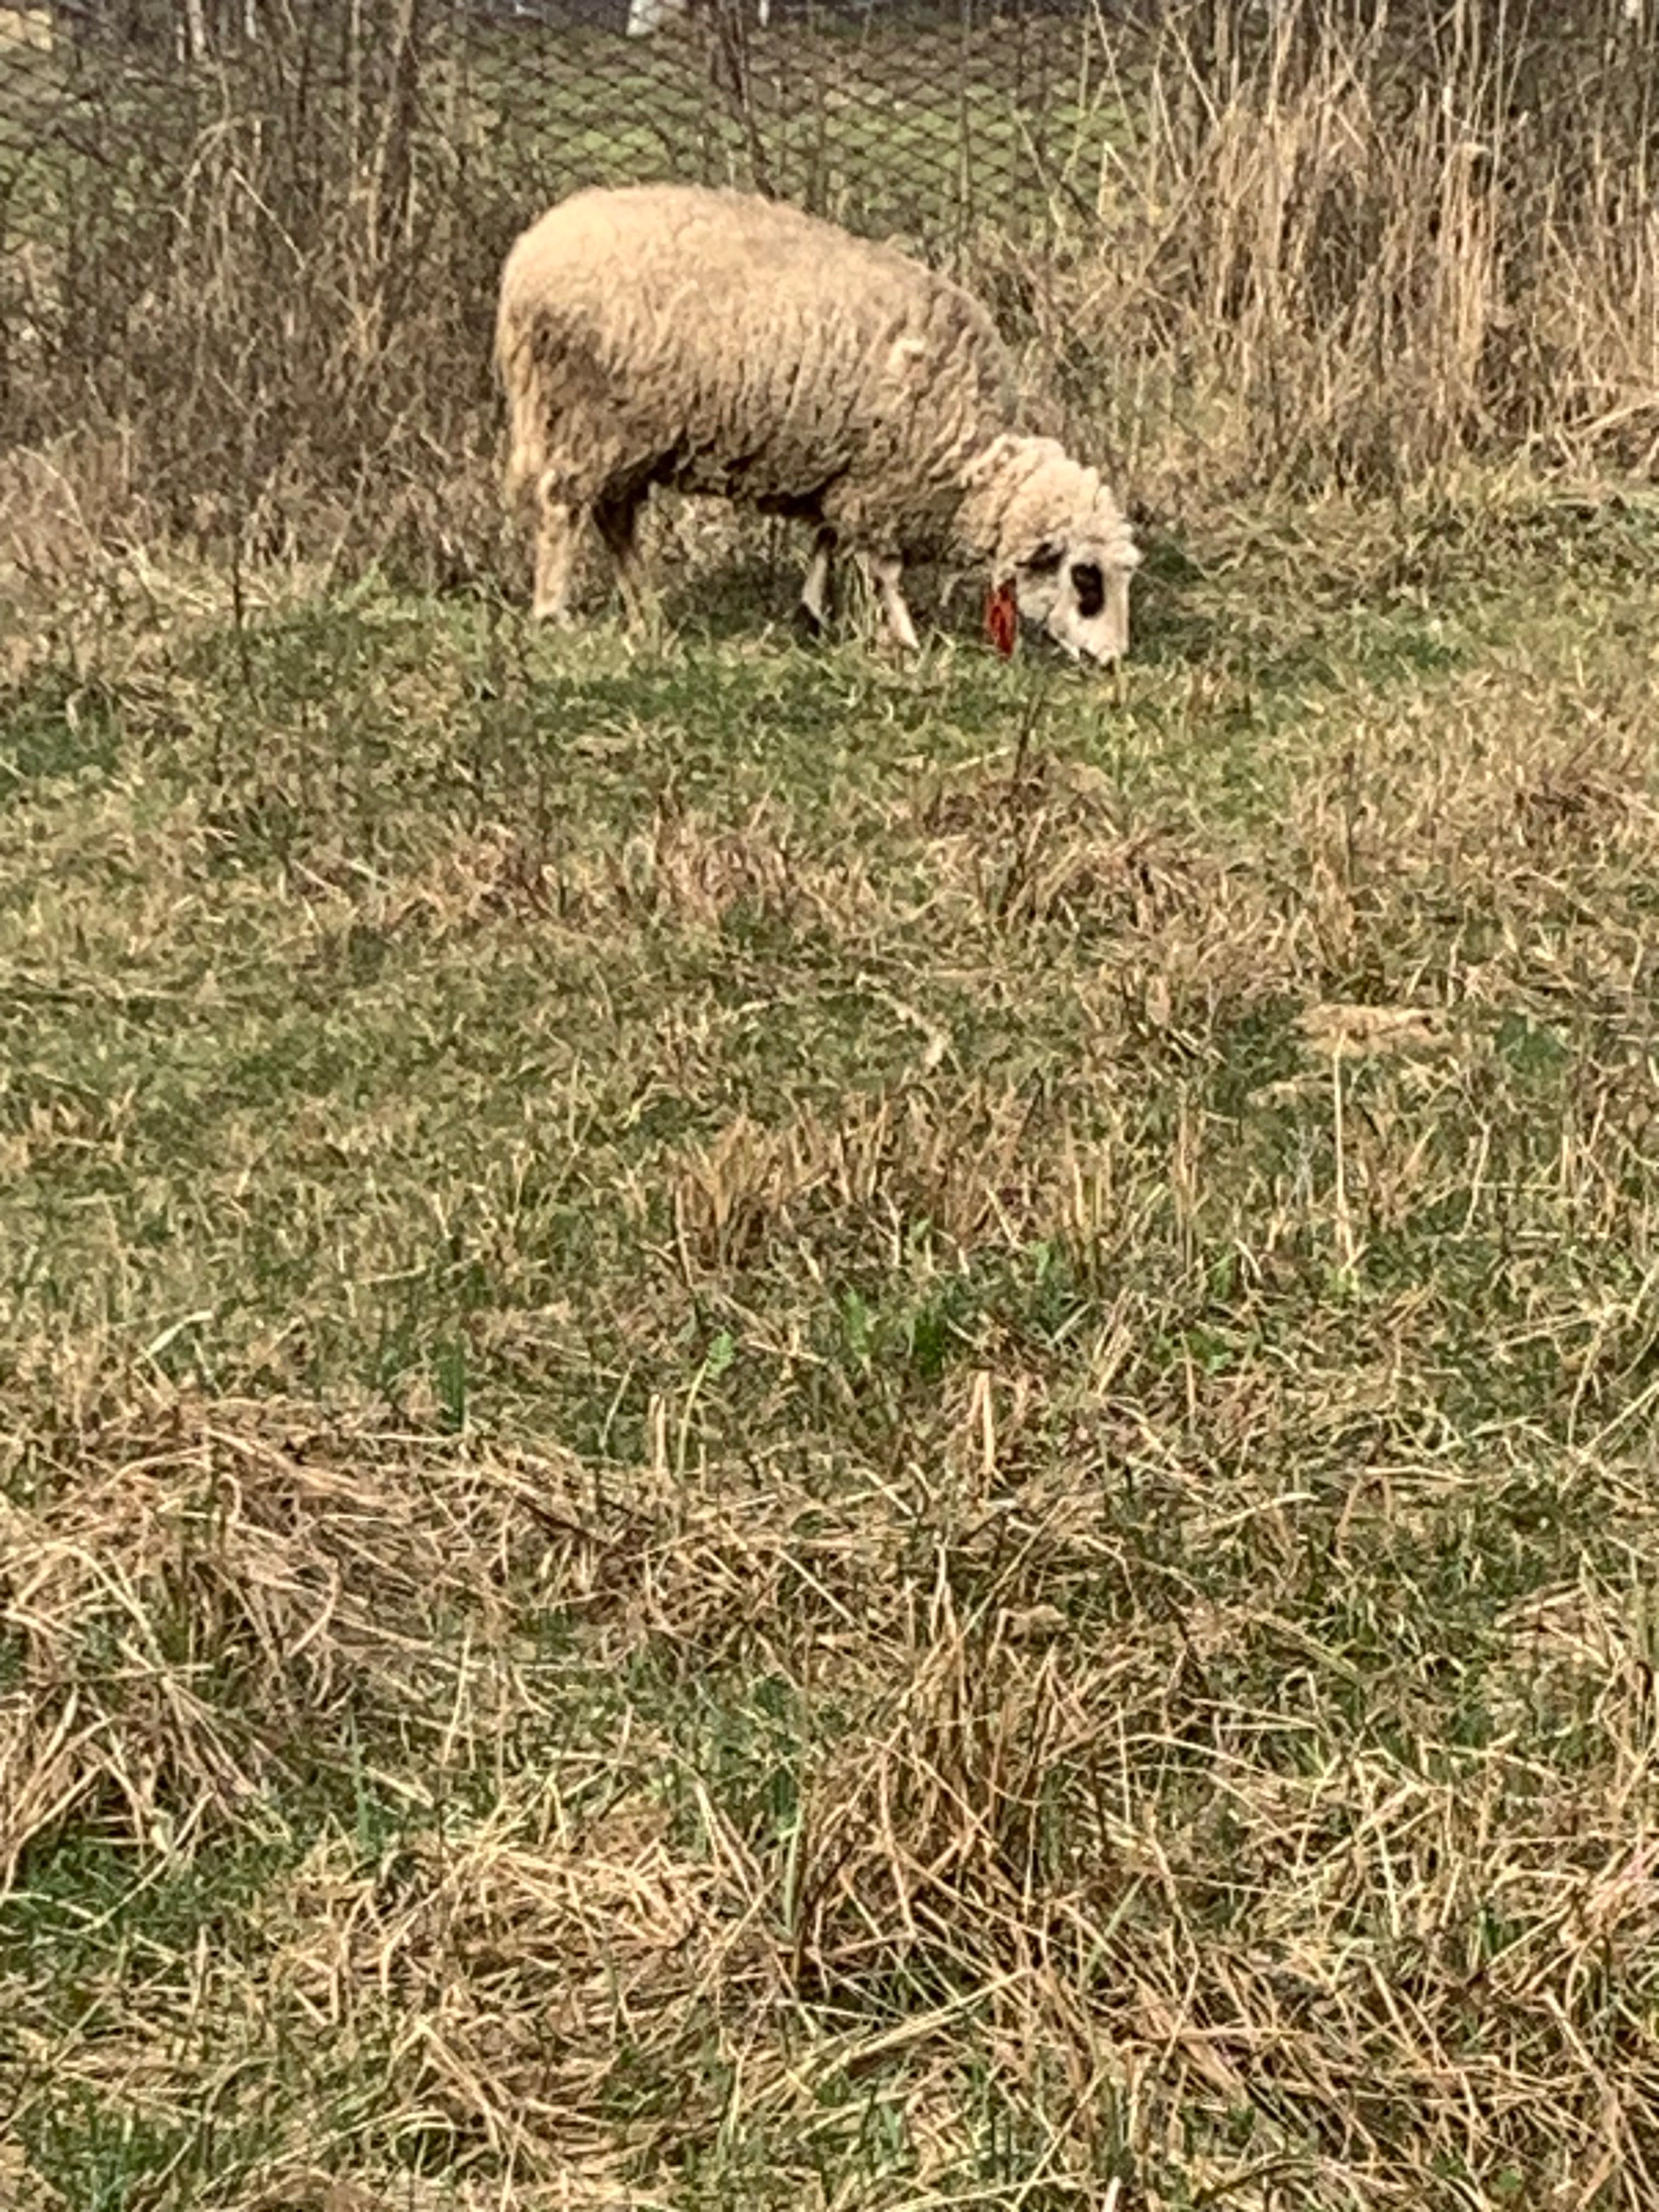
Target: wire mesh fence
x=917 y=115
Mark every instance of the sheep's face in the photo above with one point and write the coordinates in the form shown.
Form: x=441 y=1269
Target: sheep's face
x=1079 y=593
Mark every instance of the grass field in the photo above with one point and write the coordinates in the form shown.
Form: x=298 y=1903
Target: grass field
x=783 y=1431
x=779 y=1431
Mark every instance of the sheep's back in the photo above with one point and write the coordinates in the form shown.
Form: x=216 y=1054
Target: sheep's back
x=734 y=345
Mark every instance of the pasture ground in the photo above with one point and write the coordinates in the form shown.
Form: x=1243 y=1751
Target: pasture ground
x=778 y=1431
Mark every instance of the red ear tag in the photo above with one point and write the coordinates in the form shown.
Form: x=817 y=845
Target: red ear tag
x=1002 y=619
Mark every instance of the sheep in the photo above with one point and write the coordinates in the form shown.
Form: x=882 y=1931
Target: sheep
x=723 y=344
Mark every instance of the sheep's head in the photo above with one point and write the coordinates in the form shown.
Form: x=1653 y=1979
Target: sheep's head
x=1078 y=590
x=1059 y=543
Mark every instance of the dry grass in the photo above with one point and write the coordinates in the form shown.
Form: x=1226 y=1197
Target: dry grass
x=1357 y=249
x=780 y=1430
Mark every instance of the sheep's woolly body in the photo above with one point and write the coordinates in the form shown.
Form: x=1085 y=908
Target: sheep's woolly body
x=731 y=345
x=723 y=344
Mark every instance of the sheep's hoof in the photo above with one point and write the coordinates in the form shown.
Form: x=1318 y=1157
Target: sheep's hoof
x=810 y=628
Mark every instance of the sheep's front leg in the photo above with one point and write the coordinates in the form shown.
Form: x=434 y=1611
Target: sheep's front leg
x=558 y=528
x=815 y=586
x=886 y=569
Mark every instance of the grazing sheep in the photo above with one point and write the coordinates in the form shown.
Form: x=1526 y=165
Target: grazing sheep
x=724 y=344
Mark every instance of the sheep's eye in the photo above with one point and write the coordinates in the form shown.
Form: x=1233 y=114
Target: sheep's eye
x=1045 y=559
x=1091 y=588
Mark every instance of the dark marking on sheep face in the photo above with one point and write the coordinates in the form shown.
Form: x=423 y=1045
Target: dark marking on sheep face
x=1090 y=587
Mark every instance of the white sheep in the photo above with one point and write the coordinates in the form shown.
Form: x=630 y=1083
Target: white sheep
x=723 y=344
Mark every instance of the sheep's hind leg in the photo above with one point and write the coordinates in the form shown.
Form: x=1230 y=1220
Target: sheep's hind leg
x=615 y=519
x=814 y=607
x=885 y=570
x=558 y=529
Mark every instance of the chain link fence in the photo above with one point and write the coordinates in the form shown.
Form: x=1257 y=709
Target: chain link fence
x=913 y=114
x=920 y=118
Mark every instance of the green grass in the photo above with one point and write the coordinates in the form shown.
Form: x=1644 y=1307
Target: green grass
x=781 y=1429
